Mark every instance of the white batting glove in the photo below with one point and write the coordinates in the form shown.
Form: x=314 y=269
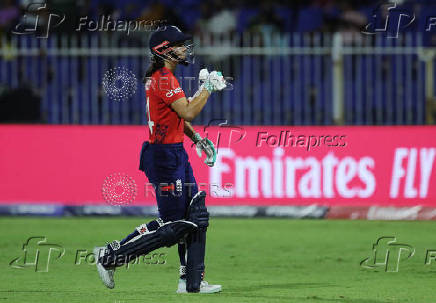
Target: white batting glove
x=215 y=82
x=203 y=75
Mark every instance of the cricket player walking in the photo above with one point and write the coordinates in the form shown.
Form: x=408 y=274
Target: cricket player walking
x=183 y=216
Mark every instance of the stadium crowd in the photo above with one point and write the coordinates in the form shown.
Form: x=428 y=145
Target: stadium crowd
x=220 y=16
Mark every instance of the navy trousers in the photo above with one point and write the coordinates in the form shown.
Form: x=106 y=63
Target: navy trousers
x=168 y=169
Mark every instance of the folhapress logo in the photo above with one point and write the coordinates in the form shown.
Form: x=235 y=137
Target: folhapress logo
x=38 y=20
x=387 y=18
x=387 y=254
x=38 y=254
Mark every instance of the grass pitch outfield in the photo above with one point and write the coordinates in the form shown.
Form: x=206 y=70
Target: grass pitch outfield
x=256 y=260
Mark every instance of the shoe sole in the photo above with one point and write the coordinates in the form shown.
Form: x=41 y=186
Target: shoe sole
x=101 y=270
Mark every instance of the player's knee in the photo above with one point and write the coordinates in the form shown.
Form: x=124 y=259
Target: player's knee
x=150 y=226
x=197 y=212
x=172 y=232
x=200 y=218
x=168 y=235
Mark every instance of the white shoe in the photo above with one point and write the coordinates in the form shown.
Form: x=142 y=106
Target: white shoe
x=106 y=275
x=205 y=288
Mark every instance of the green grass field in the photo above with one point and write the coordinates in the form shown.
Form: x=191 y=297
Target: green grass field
x=256 y=260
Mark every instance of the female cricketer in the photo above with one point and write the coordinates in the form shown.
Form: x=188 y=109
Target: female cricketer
x=183 y=217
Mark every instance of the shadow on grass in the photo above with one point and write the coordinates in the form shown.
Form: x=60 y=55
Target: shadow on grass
x=280 y=286
x=251 y=291
x=284 y=298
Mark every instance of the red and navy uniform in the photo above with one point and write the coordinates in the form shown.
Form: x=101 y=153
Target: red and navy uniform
x=164 y=159
x=164 y=125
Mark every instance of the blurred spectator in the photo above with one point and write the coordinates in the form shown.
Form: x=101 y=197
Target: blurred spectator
x=217 y=26
x=266 y=19
x=267 y=23
x=342 y=16
x=353 y=18
x=9 y=14
x=218 y=17
x=157 y=11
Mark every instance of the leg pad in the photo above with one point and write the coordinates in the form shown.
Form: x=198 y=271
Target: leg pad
x=166 y=235
x=198 y=213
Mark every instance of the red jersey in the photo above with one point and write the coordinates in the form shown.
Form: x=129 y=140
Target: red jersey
x=164 y=125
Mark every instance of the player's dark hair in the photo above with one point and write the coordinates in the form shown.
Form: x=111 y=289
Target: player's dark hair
x=156 y=63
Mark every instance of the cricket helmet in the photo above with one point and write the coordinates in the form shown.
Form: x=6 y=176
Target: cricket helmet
x=163 y=41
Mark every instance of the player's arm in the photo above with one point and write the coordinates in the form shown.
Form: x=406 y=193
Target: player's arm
x=213 y=81
x=189 y=130
x=189 y=110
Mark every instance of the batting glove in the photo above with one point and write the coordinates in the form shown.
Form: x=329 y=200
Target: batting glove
x=207 y=147
x=203 y=75
x=215 y=82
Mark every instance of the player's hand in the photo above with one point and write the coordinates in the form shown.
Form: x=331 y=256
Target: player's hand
x=203 y=75
x=215 y=82
x=206 y=146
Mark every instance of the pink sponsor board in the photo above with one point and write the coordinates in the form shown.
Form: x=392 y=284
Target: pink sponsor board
x=256 y=165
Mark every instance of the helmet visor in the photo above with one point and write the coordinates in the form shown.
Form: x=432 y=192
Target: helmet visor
x=183 y=52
